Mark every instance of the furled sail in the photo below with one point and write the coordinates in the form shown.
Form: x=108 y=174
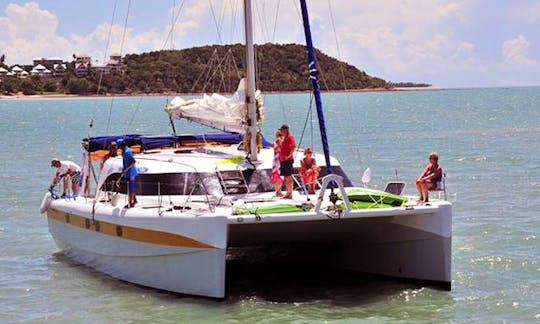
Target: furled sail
x=226 y=113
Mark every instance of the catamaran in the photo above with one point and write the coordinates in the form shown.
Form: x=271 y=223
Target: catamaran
x=201 y=196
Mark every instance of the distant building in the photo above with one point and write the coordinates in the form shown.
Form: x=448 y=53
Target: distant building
x=41 y=71
x=82 y=58
x=3 y=72
x=18 y=71
x=83 y=63
x=59 y=69
x=81 y=69
x=114 y=64
x=47 y=62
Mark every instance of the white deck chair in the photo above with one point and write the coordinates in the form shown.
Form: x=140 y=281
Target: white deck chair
x=441 y=187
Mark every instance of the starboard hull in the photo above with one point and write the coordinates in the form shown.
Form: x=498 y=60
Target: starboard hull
x=413 y=244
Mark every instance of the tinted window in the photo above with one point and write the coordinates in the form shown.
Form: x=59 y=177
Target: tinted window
x=201 y=183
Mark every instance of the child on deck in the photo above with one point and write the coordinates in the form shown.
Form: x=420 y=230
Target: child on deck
x=276 y=177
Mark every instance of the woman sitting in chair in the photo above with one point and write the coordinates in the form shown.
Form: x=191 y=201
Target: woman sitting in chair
x=309 y=170
x=429 y=178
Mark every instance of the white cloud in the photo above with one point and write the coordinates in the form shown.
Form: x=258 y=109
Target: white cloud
x=28 y=32
x=397 y=38
x=394 y=39
x=516 y=53
x=95 y=43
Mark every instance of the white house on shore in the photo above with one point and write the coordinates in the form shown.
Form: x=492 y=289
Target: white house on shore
x=41 y=71
x=59 y=69
x=114 y=64
x=19 y=71
x=83 y=63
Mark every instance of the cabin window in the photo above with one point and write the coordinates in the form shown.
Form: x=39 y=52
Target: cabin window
x=201 y=183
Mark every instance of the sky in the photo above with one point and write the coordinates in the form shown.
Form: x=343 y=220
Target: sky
x=452 y=44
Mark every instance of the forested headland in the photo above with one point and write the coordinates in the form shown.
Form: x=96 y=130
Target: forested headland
x=215 y=68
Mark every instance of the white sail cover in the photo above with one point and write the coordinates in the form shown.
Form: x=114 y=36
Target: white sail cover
x=215 y=110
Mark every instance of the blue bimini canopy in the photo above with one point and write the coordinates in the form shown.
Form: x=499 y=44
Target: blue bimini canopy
x=154 y=141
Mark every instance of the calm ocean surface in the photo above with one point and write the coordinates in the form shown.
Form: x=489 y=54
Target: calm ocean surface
x=489 y=144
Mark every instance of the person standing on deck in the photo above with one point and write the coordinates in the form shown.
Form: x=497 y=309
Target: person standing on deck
x=286 y=159
x=130 y=171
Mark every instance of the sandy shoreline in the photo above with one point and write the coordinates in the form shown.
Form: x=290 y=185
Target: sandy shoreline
x=70 y=96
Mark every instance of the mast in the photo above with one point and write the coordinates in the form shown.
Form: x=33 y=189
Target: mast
x=250 y=86
x=312 y=65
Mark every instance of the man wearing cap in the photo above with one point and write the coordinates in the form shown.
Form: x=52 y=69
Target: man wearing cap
x=286 y=159
x=129 y=170
x=64 y=170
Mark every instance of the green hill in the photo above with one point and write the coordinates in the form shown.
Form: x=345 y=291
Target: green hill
x=219 y=68
x=216 y=68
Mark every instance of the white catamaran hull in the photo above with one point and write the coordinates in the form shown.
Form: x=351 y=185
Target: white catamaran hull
x=183 y=253
x=412 y=243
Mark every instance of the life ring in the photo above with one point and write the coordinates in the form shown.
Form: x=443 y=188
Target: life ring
x=45 y=203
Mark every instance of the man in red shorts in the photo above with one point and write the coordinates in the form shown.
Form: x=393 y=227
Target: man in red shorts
x=286 y=159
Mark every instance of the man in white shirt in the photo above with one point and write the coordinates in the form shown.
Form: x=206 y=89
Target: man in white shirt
x=66 y=170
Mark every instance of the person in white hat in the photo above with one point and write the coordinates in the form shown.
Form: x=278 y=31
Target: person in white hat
x=66 y=170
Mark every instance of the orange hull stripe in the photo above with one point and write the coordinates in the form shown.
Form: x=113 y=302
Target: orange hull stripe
x=127 y=232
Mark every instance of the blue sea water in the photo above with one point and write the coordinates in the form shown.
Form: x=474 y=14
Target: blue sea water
x=489 y=145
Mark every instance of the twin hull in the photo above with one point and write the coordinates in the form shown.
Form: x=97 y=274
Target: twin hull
x=186 y=253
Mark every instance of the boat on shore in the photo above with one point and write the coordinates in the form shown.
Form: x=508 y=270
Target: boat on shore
x=204 y=198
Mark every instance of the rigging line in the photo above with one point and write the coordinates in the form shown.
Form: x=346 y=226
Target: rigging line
x=172 y=23
x=218 y=69
x=275 y=22
x=218 y=31
x=105 y=56
x=263 y=23
x=106 y=47
x=330 y=10
x=308 y=117
x=169 y=35
x=203 y=70
x=137 y=108
x=222 y=15
x=122 y=47
x=342 y=72
x=234 y=10
x=259 y=75
x=224 y=67
x=323 y=78
x=209 y=75
x=125 y=27
x=121 y=50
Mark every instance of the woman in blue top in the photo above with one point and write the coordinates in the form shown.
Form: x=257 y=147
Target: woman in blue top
x=130 y=171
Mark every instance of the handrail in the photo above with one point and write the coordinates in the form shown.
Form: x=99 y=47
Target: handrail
x=330 y=180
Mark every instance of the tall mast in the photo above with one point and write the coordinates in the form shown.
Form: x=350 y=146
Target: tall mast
x=312 y=65
x=250 y=87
